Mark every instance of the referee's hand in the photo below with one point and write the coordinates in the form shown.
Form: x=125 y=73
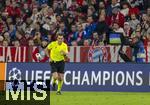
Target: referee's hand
x=50 y=60
x=62 y=52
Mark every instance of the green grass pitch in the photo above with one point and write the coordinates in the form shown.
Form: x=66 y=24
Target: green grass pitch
x=100 y=98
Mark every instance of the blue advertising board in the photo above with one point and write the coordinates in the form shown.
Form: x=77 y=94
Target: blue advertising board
x=88 y=76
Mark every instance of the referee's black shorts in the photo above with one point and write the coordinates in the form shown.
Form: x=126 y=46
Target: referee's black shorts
x=58 y=66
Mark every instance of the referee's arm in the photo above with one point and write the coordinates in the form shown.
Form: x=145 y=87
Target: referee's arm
x=47 y=49
x=65 y=52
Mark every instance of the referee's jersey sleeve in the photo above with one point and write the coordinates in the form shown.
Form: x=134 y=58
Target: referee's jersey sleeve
x=50 y=46
x=66 y=48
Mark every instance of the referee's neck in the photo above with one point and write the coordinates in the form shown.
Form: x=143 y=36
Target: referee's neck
x=59 y=43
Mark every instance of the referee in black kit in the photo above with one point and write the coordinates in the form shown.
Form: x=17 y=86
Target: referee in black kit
x=57 y=52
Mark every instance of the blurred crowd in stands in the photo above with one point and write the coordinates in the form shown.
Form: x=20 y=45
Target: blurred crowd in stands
x=83 y=22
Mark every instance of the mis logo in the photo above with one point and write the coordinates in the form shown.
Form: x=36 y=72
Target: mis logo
x=2 y=75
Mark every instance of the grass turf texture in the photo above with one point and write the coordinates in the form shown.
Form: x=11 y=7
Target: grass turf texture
x=100 y=98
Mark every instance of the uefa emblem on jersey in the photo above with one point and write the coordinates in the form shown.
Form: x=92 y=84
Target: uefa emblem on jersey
x=97 y=54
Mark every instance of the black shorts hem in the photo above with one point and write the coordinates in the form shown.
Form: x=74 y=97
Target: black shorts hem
x=57 y=67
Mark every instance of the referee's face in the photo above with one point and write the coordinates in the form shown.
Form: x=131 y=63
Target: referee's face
x=60 y=39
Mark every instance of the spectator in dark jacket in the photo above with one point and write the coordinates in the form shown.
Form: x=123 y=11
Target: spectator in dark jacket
x=72 y=35
x=101 y=25
x=114 y=4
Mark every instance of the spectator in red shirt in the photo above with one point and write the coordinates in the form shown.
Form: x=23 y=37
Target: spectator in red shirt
x=116 y=17
x=127 y=29
x=22 y=40
x=79 y=2
x=12 y=9
x=27 y=37
x=16 y=8
x=133 y=10
x=8 y=8
x=95 y=39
